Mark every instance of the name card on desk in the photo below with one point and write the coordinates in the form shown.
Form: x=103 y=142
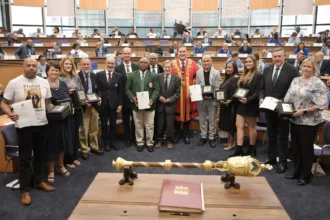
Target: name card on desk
x=271 y=44
x=132 y=36
x=43 y=36
x=172 y=54
x=20 y=35
x=59 y=36
x=35 y=56
x=167 y=37
x=84 y=44
x=200 y=36
x=65 y=45
x=2 y=35
x=11 y=57
x=220 y=36
x=269 y=55
x=205 y=44
x=96 y=36
x=237 y=36
x=243 y=55
x=133 y=54
x=38 y=45
x=60 y=56
x=199 y=54
x=222 y=55
x=117 y=36
x=229 y=45
x=107 y=45
x=256 y=36
x=110 y=55
x=17 y=45
x=292 y=56
x=317 y=44
x=289 y=44
x=125 y=45
x=188 y=44
x=326 y=57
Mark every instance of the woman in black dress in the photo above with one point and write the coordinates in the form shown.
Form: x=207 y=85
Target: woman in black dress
x=58 y=137
x=248 y=107
x=227 y=119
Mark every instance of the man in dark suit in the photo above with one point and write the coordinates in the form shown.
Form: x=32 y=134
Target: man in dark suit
x=115 y=32
x=298 y=61
x=201 y=32
x=169 y=93
x=13 y=40
x=206 y=39
x=88 y=133
x=139 y=81
x=100 y=50
x=187 y=39
x=275 y=83
x=154 y=66
x=127 y=114
x=245 y=48
x=111 y=86
x=174 y=49
x=324 y=66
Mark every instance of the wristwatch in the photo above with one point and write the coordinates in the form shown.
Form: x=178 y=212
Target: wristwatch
x=305 y=111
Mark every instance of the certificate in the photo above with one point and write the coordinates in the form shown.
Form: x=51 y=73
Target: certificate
x=195 y=93
x=269 y=103
x=26 y=114
x=143 y=100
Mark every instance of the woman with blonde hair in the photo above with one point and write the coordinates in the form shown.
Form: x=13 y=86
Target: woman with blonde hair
x=309 y=96
x=70 y=76
x=248 y=107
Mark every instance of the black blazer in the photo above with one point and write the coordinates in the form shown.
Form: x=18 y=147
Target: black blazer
x=159 y=68
x=94 y=84
x=287 y=74
x=11 y=41
x=173 y=93
x=171 y=50
x=113 y=34
x=325 y=68
x=292 y=62
x=112 y=95
x=248 y=50
x=121 y=69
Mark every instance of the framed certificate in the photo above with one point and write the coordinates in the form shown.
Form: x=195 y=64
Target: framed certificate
x=66 y=102
x=92 y=97
x=207 y=90
x=220 y=95
x=81 y=95
x=285 y=109
x=241 y=93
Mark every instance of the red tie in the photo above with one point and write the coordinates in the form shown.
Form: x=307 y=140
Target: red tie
x=109 y=78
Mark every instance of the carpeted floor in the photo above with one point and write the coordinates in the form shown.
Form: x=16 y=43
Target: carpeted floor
x=308 y=202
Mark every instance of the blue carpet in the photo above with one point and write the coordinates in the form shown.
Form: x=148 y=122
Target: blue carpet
x=308 y=202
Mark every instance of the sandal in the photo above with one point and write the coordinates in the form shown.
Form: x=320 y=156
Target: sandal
x=70 y=166
x=63 y=173
x=51 y=179
x=229 y=147
x=76 y=162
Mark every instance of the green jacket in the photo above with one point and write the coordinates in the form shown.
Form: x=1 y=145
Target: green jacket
x=151 y=84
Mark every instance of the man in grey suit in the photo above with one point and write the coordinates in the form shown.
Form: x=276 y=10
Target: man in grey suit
x=165 y=108
x=207 y=108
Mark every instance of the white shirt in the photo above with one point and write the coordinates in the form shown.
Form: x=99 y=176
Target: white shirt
x=168 y=79
x=151 y=35
x=109 y=73
x=22 y=88
x=184 y=63
x=129 y=65
x=222 y=34
x=279 y=71
x=156 y=68
x=142 y=77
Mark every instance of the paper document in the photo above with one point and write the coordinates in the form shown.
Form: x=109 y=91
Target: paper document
x=26 y=113
x=143 y=100
x=195 y=93
x=269 y=103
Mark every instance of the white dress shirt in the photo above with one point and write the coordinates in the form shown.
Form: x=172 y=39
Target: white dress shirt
x=129 y=65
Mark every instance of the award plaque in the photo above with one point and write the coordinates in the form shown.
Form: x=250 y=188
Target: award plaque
x=66 y=102
x=58 y=113
x=92 y=97
x=285 y=109
x=207 y=90
x=81 y=95
x=220 y=95
x=241 y=93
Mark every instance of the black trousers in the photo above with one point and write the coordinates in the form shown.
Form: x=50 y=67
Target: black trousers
x=129 y=126
x=186 y=126
x=76 y=123
x=166 y=119
x=31 y=139
x=108 y=123
x=278 y=137
x=302 y=144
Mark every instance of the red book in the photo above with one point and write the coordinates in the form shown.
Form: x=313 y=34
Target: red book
x=181 y=196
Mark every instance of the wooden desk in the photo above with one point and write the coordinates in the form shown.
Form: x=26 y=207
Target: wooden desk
x=106 y=199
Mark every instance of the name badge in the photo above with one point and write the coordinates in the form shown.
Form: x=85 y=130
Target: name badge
x=110 y=55
x=2 y=35
x=229 y=45
x=269 y=55
x=20 y=35
x=326 y=57
x=133 y=54
x=256 y=36
x=152 y=36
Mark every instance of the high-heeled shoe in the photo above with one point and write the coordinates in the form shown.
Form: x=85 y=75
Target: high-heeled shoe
x=251 y=151
x=238 y=151
x=64 y=173
x=51 y=179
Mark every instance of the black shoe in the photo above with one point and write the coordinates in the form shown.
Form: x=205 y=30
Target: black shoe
x=98 y=151
x=186 y=140
x=251 y=151
x=292 y=176
x=303 y=182
x=176 y=139
x=238 y=152
x=127 y=143
x=114 y=146
x=84 y=156
x=201 y=142
x=106 y=145
x=212 y=143
x=140 y=148
x=150 y=148
x=270 y=162
x=281 y=168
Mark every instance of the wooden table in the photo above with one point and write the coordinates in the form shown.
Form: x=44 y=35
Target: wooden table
x=106 y=199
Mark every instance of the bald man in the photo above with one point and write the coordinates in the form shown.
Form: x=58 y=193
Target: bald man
x=25 y=51
x=139 y=81
x=110 y=83
x=31 y=138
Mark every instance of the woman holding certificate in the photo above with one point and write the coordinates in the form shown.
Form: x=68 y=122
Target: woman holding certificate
x=58 y=138
x=70 y=76
x=227 y=119
x=248 y=105
x=309 y=96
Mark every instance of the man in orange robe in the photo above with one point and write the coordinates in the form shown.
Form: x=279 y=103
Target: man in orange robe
x=185 y=110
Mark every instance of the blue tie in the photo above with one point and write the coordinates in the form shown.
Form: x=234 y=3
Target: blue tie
x=275 y=77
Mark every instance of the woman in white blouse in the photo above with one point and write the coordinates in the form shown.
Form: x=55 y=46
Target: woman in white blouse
x=309 y=96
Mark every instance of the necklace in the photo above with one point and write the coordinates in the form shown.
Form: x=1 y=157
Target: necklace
x=55 y=85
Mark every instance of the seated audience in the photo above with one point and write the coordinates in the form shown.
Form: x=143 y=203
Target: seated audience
x=274 y=31
x=257 y=32
x=42 y=64
x=75 y=33
x=187 y=28
x=56 y=32
x=225 y=49
x=119 y=59
x=132 y=32
x=164 y=33
x=175 y=47
x=237 y=32
x=206 y=39
x=245 y=49
x=152 y=33
x=38 y=33
x=199 y=48
x=220 y=33
x=95 y=33
x=20 y=31
x=322 y=39
x=76 y=52
x=55 y=50
x=26 y=50
x=122 y=40
x=301 y=48
x=187 y=39
x=309 y=96
x=323 y=65
x=81 y=39
x=247 y=38
x=100 y=50
x=297 y=62
x=294 y=39
x=275 y=39
x=158 y=50
x=115 y=32
x=231 y=39
x=326 y=49
x=234 y=58
x=13 y=40
x=102 y=40
x=201 y=32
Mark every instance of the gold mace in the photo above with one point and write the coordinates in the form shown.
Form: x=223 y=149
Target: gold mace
x=235 y=166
